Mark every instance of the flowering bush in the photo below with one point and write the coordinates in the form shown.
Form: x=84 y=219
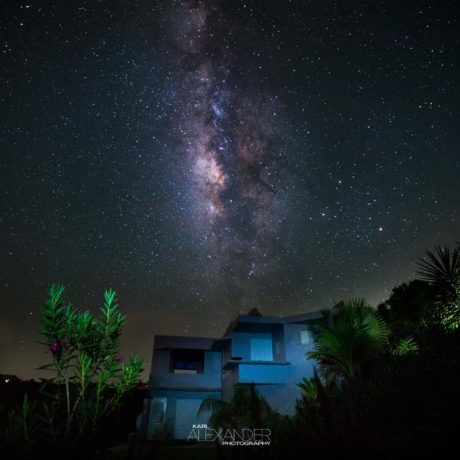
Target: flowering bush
x=90 y=376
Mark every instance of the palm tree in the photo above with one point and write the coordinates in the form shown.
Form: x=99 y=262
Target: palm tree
x=349 y=340
x=442 y=271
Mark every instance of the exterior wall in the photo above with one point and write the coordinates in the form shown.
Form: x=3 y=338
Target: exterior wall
x=227 y=352
x=161 y=377
x=279 y=343
x=180 y=394
x=300 y=367
x=277 y=383
x=229 y=378
x=263 y=373
x=278 y=396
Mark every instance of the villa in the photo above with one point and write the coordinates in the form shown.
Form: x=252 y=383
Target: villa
x=265 y=350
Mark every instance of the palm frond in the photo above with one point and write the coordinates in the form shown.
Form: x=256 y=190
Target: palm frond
x=405 y=346
x=355 y=335
x=442 y=267
x=210 y=405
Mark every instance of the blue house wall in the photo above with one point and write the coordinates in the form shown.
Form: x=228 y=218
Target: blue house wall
x=283 y=397
x=209 y=379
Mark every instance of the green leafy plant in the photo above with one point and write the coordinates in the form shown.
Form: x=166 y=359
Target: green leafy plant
x=24 y=424
x=91 y=377
x=351 y=337
x=405 y=346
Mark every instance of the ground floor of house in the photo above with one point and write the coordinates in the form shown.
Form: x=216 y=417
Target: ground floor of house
x=172 y=414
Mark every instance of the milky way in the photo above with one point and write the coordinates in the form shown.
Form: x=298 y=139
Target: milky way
x=234 y=155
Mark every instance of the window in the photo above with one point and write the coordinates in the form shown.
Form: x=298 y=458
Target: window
x=261 y=349
x=187 y=361
x=157 y=420
x=304 y=337
x=159 y=410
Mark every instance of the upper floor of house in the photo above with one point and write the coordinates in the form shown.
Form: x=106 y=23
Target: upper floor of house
x=254 y=348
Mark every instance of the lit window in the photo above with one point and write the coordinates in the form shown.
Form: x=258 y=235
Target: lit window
x=304 y=337
x=261 y=349
x=187 y=361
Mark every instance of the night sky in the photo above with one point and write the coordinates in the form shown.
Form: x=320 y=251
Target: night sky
x=206 y=157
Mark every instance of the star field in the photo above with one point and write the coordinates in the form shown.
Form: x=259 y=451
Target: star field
x=206 y=157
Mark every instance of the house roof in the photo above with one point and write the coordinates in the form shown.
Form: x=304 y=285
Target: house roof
x=254 y=316
x=299 y=318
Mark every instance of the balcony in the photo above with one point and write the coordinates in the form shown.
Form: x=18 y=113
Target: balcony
x=260 y=372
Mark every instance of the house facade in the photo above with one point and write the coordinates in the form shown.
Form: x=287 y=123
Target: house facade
x=268 y=351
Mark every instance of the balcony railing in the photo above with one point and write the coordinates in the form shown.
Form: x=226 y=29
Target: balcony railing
x=260 y=372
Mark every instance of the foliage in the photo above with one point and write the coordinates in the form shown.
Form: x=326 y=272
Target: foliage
x=405 y=346
x=374 y=394
x=245 y=408
x=441 y=269
x=405 y=404
x=409 y=308
x=23 y=424
x=91 y=377
x=352 y=337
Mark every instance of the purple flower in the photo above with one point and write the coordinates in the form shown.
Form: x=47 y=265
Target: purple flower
x=54 y=347
x=121 y=359
x=58 y=345
x=80 y=311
